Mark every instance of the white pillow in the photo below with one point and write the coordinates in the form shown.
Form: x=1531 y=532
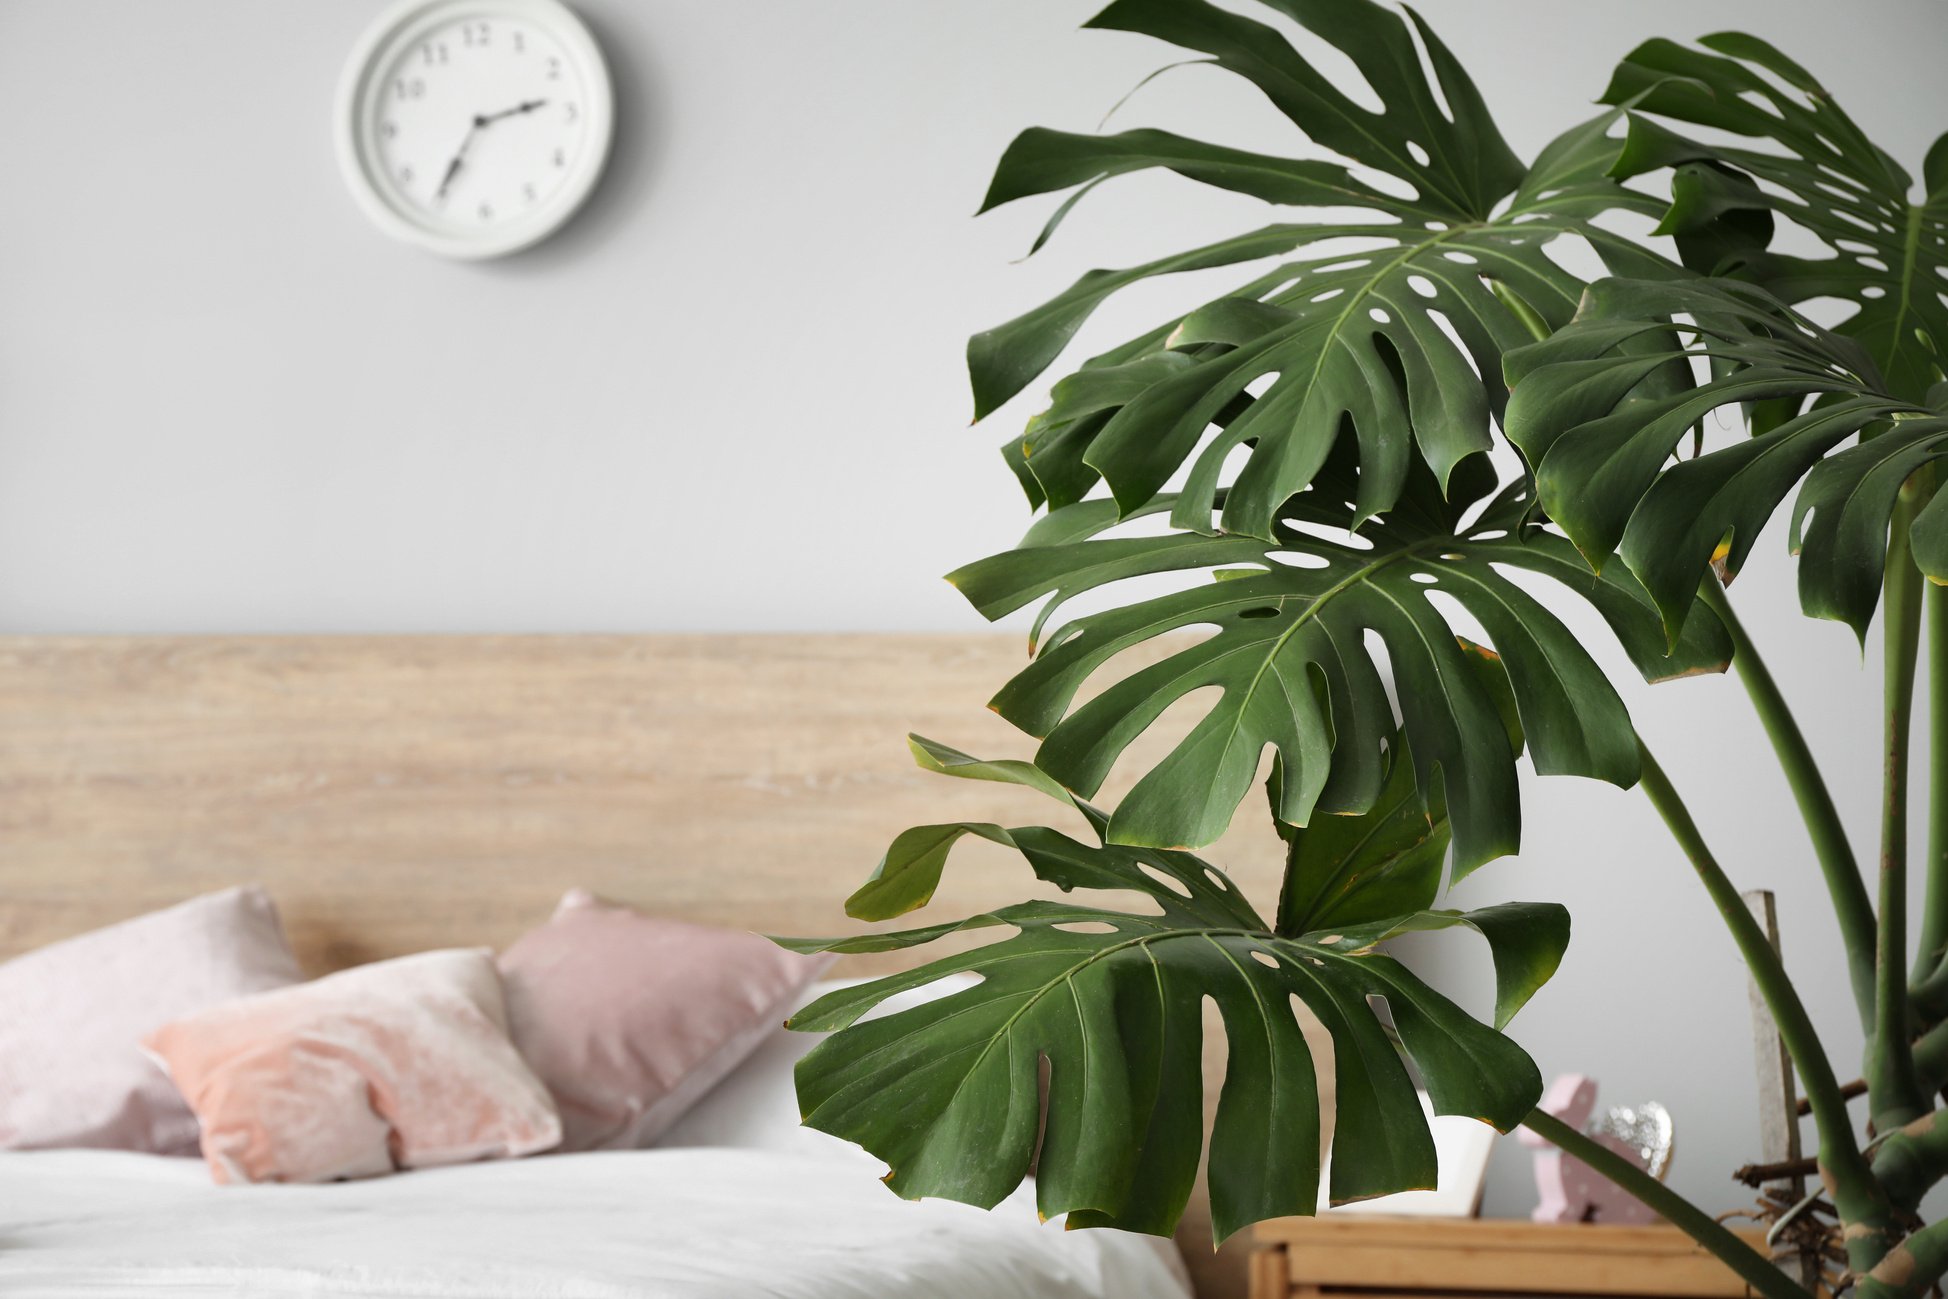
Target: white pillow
x=756 y=1107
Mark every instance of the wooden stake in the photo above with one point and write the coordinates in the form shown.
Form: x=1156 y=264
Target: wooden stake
x=1778 y=1092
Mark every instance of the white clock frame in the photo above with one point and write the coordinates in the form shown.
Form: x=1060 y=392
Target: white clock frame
x=358 y=149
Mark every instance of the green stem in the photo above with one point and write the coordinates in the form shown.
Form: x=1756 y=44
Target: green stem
x=1851 y=906
x=1531 y=318
x=1931 y=1057
x=1910 y=1161
x=1856 y=1193
x=1911 y=1268
x=1894 y=1096
x=1756 y=1270
x=1934 y=913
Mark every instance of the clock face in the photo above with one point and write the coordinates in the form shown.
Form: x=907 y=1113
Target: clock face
x=475 y=127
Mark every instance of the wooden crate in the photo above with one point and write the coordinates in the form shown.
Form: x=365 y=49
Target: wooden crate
x=1383 y=1258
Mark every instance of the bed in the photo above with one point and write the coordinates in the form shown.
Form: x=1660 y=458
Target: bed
x=650 y=1224
x=403 y=793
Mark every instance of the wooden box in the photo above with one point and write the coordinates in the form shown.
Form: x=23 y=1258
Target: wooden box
x=1385 y=1258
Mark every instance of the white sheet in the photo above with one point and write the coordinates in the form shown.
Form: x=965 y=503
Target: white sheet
x=654 y=1224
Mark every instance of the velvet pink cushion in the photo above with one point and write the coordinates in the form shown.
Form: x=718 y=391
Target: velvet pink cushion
x=630 y=1019
x=399 y=1064
x=72 y=1016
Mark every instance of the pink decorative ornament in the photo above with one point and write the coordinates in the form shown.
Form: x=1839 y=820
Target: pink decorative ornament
x=1572 y=1191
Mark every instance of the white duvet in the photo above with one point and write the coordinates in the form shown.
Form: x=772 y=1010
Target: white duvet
x=701 y=1224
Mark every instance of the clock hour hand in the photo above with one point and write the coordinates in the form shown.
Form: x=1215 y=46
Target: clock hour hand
x=481 y=121
x=452 y=170
x=459 y=157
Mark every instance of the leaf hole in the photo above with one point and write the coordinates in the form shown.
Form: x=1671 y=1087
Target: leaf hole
x=1762 y=103
x=1298 y=559
x=1453 y=336
x=1378 y=316
x=1327 y=532
x=1084 y=927
x=1262 y=611
x=1384 y=182
x=1264 y=958
x=1853 y=182
x=1422 y=285
x=1164 y=878
x=1418 y=154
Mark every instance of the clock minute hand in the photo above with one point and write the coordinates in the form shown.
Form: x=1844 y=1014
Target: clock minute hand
x=527 y=106
x=480 y=122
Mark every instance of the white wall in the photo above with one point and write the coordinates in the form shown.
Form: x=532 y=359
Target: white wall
x=730 y=396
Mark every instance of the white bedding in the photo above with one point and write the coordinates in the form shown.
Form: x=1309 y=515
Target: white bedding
x=700 y=1224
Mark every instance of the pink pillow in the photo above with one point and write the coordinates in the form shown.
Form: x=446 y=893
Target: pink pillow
x=402 y=1063
x=630 y=1019
x=72 y=1018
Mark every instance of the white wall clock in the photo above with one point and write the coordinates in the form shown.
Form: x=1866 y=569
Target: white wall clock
x=474 y=127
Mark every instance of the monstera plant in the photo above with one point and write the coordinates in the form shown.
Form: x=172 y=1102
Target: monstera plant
x=1348 y=473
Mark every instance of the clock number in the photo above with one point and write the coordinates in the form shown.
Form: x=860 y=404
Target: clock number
x=486 y=212
x=572 y=114
x=389 y=129
x=405 y=175
x=561 y=157
x=433 y=53
x=554 y=68
x=527 y=192
x=414 y=89
x=475 y=34
x=520 y=43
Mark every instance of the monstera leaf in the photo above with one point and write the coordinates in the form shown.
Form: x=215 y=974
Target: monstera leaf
x=1601 y=445
x=1294 y=672
x=949 y=1093
x=1398 y=336
x=1889 y=250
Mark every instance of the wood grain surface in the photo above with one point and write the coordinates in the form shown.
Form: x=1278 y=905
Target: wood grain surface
x=403 y=792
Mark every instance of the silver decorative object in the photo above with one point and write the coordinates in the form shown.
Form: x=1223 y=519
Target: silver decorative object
x=1645 y=1128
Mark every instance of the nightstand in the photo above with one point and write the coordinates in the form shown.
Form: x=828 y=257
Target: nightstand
x=1391 y=1258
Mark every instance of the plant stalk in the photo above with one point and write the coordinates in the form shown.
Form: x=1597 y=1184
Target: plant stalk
x=1911 y=1268
x=1851 y=905
x=1893 y=1093
x=1928 y=957
x=1856 y=1193
x=1756 y=1269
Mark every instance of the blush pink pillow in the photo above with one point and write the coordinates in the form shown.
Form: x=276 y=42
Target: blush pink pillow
x=630 y=1019
x=72 y=1016
x=398 y=1064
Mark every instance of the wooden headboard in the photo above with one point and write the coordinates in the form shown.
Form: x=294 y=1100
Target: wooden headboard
x=397 y=793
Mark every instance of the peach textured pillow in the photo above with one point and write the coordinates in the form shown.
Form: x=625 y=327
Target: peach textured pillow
x=399 y=1064
x=72 y=1016
x=630 y=1019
